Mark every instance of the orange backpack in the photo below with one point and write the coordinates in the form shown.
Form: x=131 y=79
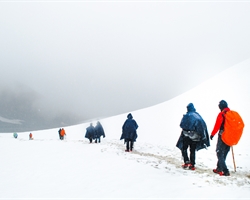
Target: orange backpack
x=233 y=128
x=62 y=133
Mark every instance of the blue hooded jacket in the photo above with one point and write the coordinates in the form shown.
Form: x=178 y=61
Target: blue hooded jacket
x=99 y=130
x=90 y=133
x=192 y=123
x=129 y=129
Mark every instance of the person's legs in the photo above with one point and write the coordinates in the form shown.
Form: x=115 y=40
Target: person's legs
x=131 y=145
x=192 y=152
x=127 y=144
x=222 y=150
x=97 y=140
x=186 y=141
x=226 y=149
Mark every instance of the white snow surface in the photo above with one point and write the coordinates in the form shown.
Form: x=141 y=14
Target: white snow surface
x=48 y=168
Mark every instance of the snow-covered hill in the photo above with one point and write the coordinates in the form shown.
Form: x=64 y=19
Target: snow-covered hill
x=49 y=168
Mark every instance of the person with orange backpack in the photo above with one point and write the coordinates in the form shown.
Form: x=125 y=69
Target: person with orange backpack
x=30 y=136
x=62 y=134
x=230 y=126
x=222 y=149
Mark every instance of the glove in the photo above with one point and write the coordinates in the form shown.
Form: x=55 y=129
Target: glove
x=211 y=137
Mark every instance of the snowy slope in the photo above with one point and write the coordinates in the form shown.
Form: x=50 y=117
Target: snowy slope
x=49 y=168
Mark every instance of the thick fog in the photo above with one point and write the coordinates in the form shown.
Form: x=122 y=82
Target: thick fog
x=63 y=63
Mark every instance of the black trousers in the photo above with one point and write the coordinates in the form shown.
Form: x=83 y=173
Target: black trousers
x=187 y=142
x=98 y=140
x=129 y=144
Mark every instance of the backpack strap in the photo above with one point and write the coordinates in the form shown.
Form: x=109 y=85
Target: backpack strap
x=223 y=122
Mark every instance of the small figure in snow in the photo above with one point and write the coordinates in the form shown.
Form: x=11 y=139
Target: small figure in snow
x=222 y=149
x=194 y=135
x=90 y=133
x=59 y=132
x=15 y=135
x=30 y=136
x=129 y=133
x=99 y=132
x=62 y=134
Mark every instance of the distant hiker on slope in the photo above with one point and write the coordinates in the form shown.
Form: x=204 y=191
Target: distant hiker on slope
x=90 y=133
x=15 y=135
x=62 y=134
x=129 y=132
x=222 y=149
x=30 y=136
x=194 y=135
x=99 y=132
x=59 y=132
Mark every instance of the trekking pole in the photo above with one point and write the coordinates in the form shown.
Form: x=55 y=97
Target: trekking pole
x=233 y=158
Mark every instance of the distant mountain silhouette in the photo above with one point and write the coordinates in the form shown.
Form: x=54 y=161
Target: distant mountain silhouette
x=19 y=112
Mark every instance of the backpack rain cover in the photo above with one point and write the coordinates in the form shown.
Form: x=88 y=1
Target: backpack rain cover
x=233 y=128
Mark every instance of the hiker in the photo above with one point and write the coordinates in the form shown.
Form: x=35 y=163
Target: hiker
x=194 y=135
x=59 y=132
x=129 y=132
x=30 y=136
x=62 y=134
x=90 y=133
x=15 y=135
x=222 y=149
x=99 y=132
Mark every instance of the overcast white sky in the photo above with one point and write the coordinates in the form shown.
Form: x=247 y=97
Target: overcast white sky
x=104 y=58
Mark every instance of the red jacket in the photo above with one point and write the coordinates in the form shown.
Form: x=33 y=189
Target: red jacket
x=219 y=121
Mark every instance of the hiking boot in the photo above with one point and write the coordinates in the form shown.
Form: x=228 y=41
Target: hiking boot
x=216 y=171
x=126 y=150
x=186 y=165
x=224 y=174
x=191 y=167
